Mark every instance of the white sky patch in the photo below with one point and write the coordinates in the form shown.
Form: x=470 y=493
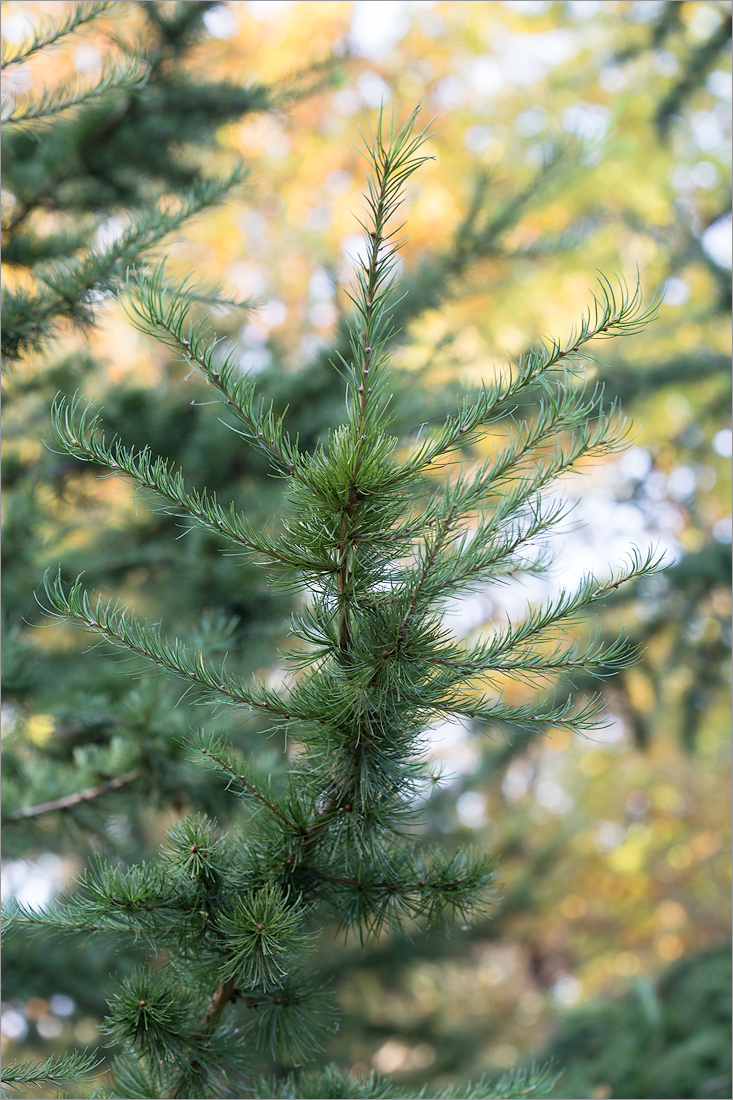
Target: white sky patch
x=518 y=778
x=321 y=287
x=248 y=279
x=372 y=89
x=705 y=19
x=16 y=81
x=613 y=78
x=17 y=27
x=685 y=178
x=109 y=231
x=708 y=131
x=486 y=75
x=272 y=313
x=478 y=138
x=13 y=1025
x=265 y=10
x=471 y=809
x=681 y=483
x=609 y=836
x=346 y=101
x=319 y=218
x=220 y=22
x=723 y=442
x=450 y=745
x=613 y=732
x=254 y=226
x=527 y=58
x=585 y=9
x=567 y=990
x=596 y=538
x=528 y=7
x=586 y=120
x=548 y=790
x=255 y=335
x=450 y=92
x=34 y=883
x=531 y=122
x=323 y=315
x=339 y=182
x=354 y=250
x=254 y=360
x=376 y=27
x=635 y=463
x=665 y=63
x=644 y=11
x=719 y=84
x=553 y=796
x=604 y=530
x=718 y=242
x=465 y=612
x=87 y=59
x=676 y=292
x=61 y=1005
x=723 y=530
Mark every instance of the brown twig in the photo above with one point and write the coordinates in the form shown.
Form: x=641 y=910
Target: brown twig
x=68 y=800
x=217 y=1004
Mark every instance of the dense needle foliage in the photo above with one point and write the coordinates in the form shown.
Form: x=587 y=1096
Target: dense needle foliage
x=375 y=538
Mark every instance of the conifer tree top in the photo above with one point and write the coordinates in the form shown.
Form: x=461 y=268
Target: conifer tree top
x=379 y=537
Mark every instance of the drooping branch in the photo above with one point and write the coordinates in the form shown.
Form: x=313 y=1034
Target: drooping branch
x=120 y=629
x=79 y=432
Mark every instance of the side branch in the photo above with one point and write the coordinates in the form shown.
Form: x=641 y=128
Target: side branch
x=430 y=559
x=162 y=310
x=616 y=311
x=524 y=715
x=511 y=647
x=53 y=32
x=66 y=802
x=74 y=93
x=248 y=785
x=67 y=284
x=120 y=629
x=79 y=433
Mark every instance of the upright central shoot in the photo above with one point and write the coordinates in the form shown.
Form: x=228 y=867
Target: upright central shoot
x=378 y=538
x=358 y=496
x=392 y=164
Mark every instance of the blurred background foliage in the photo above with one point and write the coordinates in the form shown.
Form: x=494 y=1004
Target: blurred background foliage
x=572 y=137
